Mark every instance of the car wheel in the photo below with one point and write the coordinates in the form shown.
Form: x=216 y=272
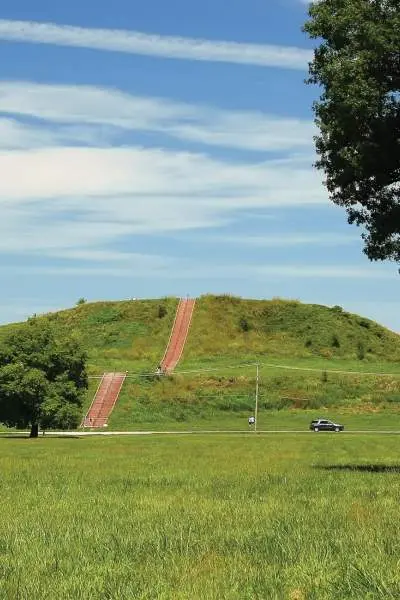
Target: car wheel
x=316 y=429
x=337 y=428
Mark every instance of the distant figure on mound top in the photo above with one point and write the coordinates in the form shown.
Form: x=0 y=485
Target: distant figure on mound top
x=252 y=421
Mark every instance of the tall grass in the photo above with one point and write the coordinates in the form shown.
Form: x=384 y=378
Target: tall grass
x=235 y=517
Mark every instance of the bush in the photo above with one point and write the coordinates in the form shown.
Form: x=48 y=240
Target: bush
x=244 y=325
x=162 y=311
x=337 y=309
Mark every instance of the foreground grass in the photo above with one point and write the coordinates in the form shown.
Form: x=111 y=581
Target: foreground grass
x=235 y=517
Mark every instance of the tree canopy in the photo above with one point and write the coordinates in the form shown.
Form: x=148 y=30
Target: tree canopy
x=357 y=66
x=42 y=378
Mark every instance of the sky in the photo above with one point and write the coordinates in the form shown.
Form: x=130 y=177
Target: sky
x=166 y=148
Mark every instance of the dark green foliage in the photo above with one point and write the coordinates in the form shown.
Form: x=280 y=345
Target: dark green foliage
x=162 y=311
x=365 y=323
x=357 y=65
x=244 y=324
x=335 y=341
x=81 y=301
x=337 y=309
x=42 y=378
x=360 y=351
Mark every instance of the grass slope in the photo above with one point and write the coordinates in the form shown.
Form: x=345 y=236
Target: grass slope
x=229 y=327
x=118 y=336
x=202 y=517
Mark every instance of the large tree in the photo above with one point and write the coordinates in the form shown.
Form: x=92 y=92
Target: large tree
x=357 y=66
x=42 y=378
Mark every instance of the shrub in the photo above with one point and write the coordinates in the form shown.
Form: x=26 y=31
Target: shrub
x=244 y=324
x=162 y=311
x=337 y=309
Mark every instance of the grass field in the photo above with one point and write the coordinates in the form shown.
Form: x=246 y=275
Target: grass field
x=200 y=517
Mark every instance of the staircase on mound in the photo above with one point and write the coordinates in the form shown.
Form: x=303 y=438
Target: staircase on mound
x=104 y=400
x=179 y=334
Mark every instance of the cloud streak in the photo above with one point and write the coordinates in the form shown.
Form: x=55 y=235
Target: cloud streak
x=89 y=106
x=134 y=42
x=147 y=266
x=79 y=197
x=285 y=240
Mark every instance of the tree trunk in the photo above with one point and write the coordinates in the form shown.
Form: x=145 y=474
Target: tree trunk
x=34 y=430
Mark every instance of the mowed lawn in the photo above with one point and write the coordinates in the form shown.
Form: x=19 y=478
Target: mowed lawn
x=238 y=516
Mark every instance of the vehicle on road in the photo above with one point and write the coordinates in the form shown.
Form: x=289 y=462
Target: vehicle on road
x=325 y=425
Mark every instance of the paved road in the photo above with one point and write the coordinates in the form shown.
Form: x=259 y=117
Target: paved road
x=202 y=432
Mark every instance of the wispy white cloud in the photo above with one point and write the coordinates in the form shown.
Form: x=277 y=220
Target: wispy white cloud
x=134 y=42
x=15 y=135
x=163 y=267
x=79 y=194
x=142 y=174
x=84 y=106
x=86 y=198
x=325 y=272
x=285 y=240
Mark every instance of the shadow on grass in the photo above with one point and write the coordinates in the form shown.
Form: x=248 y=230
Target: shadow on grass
x=361 y=468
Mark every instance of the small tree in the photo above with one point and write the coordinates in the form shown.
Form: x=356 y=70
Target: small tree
x=42 y=378
x=81 y=301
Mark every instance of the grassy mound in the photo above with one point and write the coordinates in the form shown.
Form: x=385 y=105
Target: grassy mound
x=227 y=332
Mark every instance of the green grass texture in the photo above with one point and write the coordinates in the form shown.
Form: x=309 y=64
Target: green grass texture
x=238 y=516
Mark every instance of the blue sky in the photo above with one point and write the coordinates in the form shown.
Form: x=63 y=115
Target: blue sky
x=154 y=148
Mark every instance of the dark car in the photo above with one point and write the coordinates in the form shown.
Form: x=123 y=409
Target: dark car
x=325 y=425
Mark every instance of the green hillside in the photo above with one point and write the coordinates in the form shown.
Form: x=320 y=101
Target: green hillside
x=125 y=336
x=227 y=332
x=232 y=327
